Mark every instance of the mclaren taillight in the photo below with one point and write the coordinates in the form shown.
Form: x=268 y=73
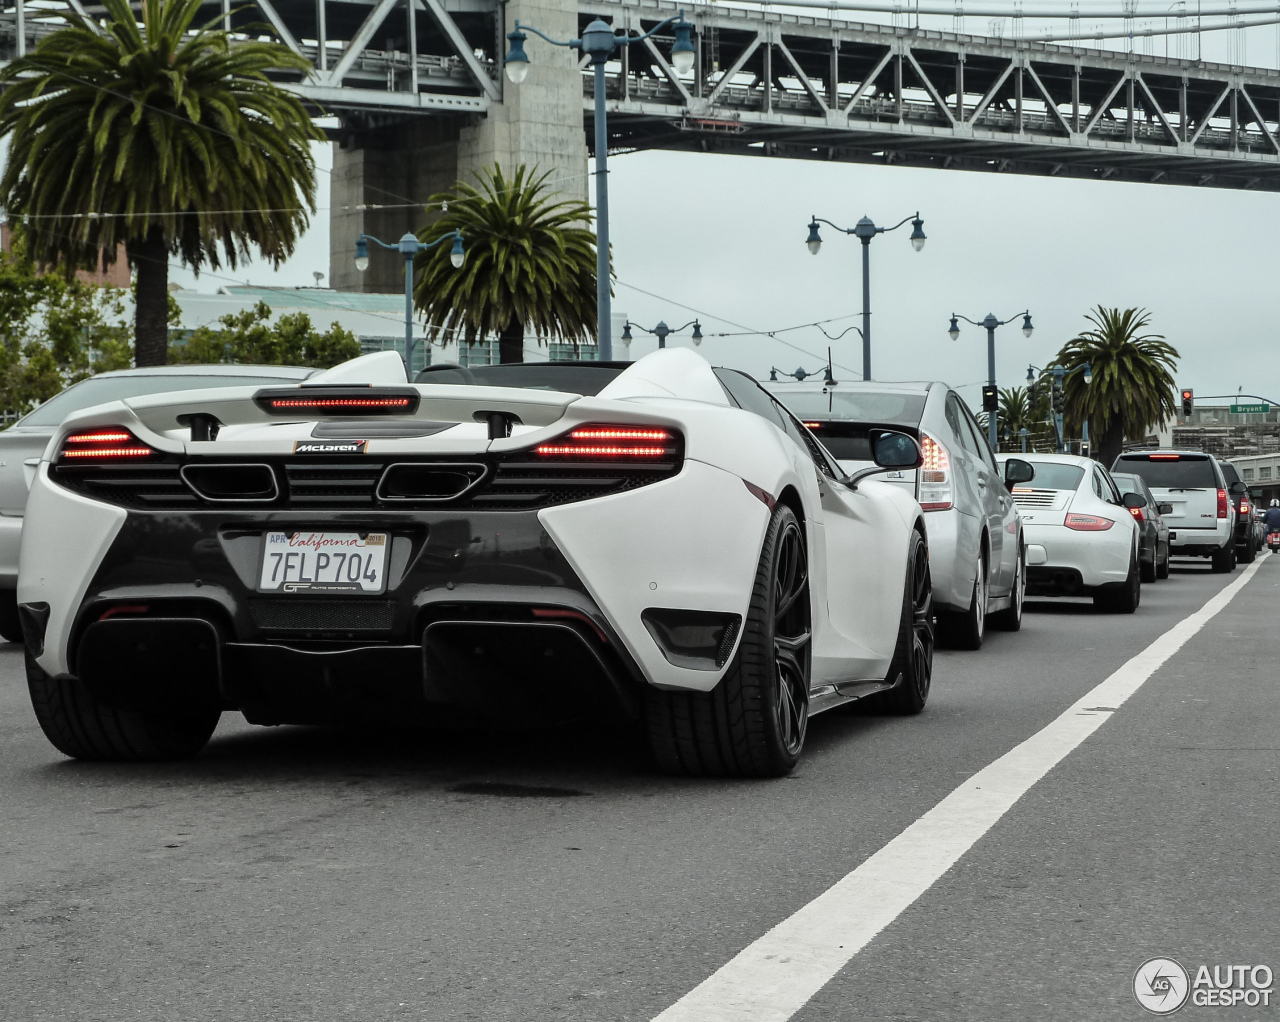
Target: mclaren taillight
x=1088 y=523
x=1222 y=504
x=323 y=402
x=105 y=443
x=935 y=475
x=612 y=443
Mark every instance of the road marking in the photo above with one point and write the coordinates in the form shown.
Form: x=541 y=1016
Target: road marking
x=770 y=980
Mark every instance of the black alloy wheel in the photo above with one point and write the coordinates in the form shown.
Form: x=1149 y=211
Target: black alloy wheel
x=911 y=670
x=792 y=638
x=753 y=723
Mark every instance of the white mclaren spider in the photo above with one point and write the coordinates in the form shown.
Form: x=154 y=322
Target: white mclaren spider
x=657 y=539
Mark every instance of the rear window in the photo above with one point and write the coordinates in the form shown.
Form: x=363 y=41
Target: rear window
x=1050 y=475
x=568 y=378
x=98 y=389
x=1128 y=483
x=855 y=406
x=846 y=441
x=1171 y=471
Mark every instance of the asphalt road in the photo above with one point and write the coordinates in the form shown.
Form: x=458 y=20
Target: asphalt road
x=311 y=874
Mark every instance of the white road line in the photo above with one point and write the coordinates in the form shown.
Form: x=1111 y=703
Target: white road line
x=770 y=980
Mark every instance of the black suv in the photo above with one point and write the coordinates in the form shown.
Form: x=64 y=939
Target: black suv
x=1246 y=546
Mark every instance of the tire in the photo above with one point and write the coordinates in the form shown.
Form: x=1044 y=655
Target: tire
x=1010 y=619
x=966 y=629
x=81 y=727
x=911 y=670
x=753 y=723
x=1126 y=598
x=1246 y=555
x=1147 y=572
x=10 y=623
x=1162 y=568
x=1224 y=559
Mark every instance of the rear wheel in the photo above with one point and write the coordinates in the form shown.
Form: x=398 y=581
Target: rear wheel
x=1149 y=571
x=1247 y=552
x=1224 y=559
x=1126 y=598
x=10 y=624
x=1162 y=567
x=753 y=723
x=966 y=629
x=80 y=726
x=1010 y=619
x=911 y=670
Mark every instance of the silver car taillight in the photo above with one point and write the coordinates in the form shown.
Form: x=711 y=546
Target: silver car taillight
x=935 y=475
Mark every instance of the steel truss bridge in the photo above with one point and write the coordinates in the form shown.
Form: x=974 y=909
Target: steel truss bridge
x=770 y=83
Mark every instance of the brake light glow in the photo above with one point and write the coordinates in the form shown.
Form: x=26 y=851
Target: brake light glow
x=320 y=404
x=1137 y=513
x=935 y=475
x=337 y=400
x=813 y=425
x=1222 y=504
x=1165 y=457
x=1088 y=523
x=107 y=443
x=1244 y=507
x=610 y=442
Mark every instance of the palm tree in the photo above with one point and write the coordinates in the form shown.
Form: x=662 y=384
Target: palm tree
x=529 y=264
x=1132 y=387
x=168 y=139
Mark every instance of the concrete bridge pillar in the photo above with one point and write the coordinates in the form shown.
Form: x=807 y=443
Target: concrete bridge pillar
x=537 y=123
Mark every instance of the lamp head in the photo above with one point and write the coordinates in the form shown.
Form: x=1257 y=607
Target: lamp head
x=917 y=233
x=954 y=330
x=456 y=255
x=773 y=375
x=517 y=61
x=1026 y=325
x=682 y=51
x=697 y=332
x=626 y=333
x=1088 y=373
x=598 y=41
x=362 y=254
x=814 y=241
x=1031 y=374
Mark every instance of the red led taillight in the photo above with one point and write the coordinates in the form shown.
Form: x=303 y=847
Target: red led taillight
x=1222 y=504
x=1244 y=507
x=106 y=443
x=608 y=442
x=1088 y=523
x=1165 y=457
x=332 y=401
x=1137 y=514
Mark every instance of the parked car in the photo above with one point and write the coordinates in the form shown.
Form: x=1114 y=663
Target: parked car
x=1202 y=516
x=1081 y=538
x=1246 y=547
x=672 y=547
x=975 y=537
x=22 y=444
x=1153 y=552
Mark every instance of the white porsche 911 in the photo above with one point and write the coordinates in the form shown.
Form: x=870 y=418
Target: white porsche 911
x=657 y=538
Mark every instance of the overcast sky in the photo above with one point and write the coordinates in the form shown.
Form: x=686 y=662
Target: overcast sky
x=725 y=235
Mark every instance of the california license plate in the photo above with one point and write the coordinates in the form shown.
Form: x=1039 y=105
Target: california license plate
x=323 y=562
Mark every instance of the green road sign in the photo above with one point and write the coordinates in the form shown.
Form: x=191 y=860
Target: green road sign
x=1250 y=409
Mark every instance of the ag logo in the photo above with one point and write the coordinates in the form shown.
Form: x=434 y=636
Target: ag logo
x=1161 y=986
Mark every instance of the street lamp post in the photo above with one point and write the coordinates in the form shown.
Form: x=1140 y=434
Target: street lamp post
x=410 y=246
x=990 y=322
x=864 y=230
x=662 y=332
x=599 y=42
x=1060 y=375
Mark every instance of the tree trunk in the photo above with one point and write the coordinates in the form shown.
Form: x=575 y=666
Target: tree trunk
x=1111 y=443
x=511 y=342
x=150 y=258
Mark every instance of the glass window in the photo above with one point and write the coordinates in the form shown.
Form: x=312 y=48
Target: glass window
x=954 y=416
x=1171 y=471
x=980 y=441
x=1053 y=475
x=99 y=389
x=853 y=405
x=750 y=396
x=1264 y=473
x=1109 y=489
x=1097 y=484
x=1248 y=473
x=587 y=380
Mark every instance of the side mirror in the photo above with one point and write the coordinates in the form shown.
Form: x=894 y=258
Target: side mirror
x=1018 y=471
x=891 y=449
x=1134 y=500
x=1164 y=509
x=1239 y=488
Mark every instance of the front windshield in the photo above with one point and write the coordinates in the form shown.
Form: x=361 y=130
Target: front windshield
x=566 y=378
x=855 y=405
x=1052 y=475
x=99 y=389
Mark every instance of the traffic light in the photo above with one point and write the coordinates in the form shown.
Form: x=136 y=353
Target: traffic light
x=990 y=398
x=1188 y=402
x=1059 y=398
